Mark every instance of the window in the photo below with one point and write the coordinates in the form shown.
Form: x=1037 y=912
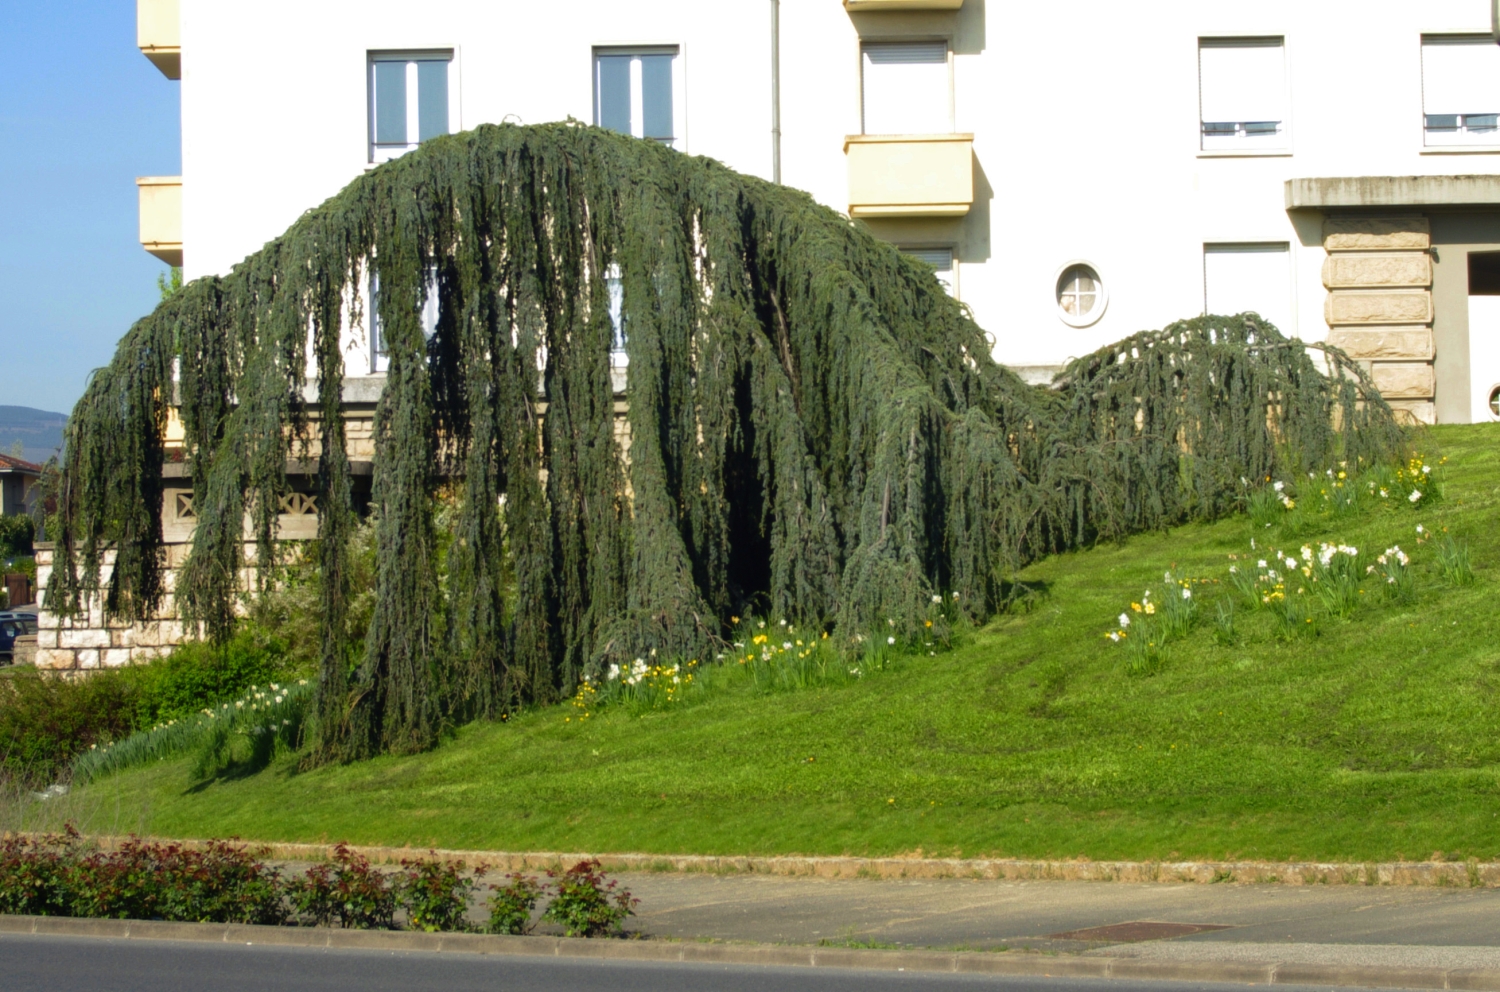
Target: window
x=907 y=88
x=1242 y=94
x=1460 y=91
x=616 y=290
x=1080 y=295
x=1249 y=277
x=638 y=92
x=411 y=100
x=940 y=259
x=380 y=361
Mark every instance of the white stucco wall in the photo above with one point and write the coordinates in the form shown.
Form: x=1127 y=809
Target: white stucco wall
x=1085 y=118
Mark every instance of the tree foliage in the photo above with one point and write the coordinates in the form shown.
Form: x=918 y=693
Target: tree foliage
x=815 y=429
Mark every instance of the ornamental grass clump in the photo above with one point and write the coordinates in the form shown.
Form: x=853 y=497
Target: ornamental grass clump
x=815 y=428
x=253 y=729
x=1453 y=561
x=1335 y=577
x=1393 y=568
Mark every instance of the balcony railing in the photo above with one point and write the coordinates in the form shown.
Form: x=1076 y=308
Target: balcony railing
x=161 y=216
x=158 y=33
x=910 y=175
x=868 y=6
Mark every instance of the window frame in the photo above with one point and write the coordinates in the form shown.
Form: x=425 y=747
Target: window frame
x=1427 y=146
x=678 y=52
x=945 y=40
x=378 y=152
x=1281 y=149
x=1101 y=302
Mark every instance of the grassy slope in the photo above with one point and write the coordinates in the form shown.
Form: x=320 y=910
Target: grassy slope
x=1376 y=739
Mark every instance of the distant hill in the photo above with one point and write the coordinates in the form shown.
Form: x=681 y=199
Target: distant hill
x=39 y=431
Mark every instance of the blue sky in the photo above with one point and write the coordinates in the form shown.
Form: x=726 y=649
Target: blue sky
x=82 y=113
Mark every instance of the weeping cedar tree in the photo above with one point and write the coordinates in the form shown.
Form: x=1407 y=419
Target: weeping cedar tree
x=815 y=430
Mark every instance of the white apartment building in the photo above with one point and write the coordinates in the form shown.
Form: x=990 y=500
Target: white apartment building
x=1076 y=172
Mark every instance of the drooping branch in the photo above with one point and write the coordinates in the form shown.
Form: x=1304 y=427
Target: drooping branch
x=812 y=428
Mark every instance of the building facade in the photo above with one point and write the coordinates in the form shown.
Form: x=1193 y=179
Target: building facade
x=18 y=479
x=1076 y=172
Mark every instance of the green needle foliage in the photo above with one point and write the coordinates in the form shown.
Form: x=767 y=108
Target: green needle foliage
x=815 y=429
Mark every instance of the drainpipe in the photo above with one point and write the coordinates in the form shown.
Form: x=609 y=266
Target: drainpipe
x=776 y=91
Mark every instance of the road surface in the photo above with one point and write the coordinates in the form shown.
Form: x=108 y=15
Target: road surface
x=77 y=964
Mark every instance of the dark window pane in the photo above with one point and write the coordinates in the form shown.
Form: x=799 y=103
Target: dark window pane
x=390 y=103
x=1262 y=127
x=907 y=52
x=614 y=93
x=656 y=96
x=1442 y=122
x=1218 y=128
x=1481 y=122
x=432 y=99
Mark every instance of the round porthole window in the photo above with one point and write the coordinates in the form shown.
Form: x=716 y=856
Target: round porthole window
x=1081 y=297
x=1495 y=402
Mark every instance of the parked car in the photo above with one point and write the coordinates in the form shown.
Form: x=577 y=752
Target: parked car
x=14 y=623
x=24 y=615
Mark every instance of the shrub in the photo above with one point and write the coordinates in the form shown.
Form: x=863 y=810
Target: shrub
x=46 y=720
x=347 y=889
x=435 y=894
x=34 y=874
x=198 y=674
x=224 y=882
x=60 y=876
x=144 y=881
x=16 y=532
x=586 y=903
x=511 y=905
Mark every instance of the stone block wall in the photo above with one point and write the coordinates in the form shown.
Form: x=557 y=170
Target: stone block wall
x=1378 y=274
x=88 y=643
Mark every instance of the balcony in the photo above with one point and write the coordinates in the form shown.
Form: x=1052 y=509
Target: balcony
x=910 y=175
x=158 y=34
x=872 y=6
x=161 y=216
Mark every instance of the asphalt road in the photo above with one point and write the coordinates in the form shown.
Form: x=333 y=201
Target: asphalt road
x=73 y=964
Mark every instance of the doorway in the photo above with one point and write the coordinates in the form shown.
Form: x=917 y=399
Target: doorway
x=1484 y=336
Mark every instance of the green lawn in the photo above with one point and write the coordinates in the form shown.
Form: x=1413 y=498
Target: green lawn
x=1374 y=738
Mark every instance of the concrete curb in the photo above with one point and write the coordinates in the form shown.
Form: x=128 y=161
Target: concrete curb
x=1448 y=874
x=965 y=962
